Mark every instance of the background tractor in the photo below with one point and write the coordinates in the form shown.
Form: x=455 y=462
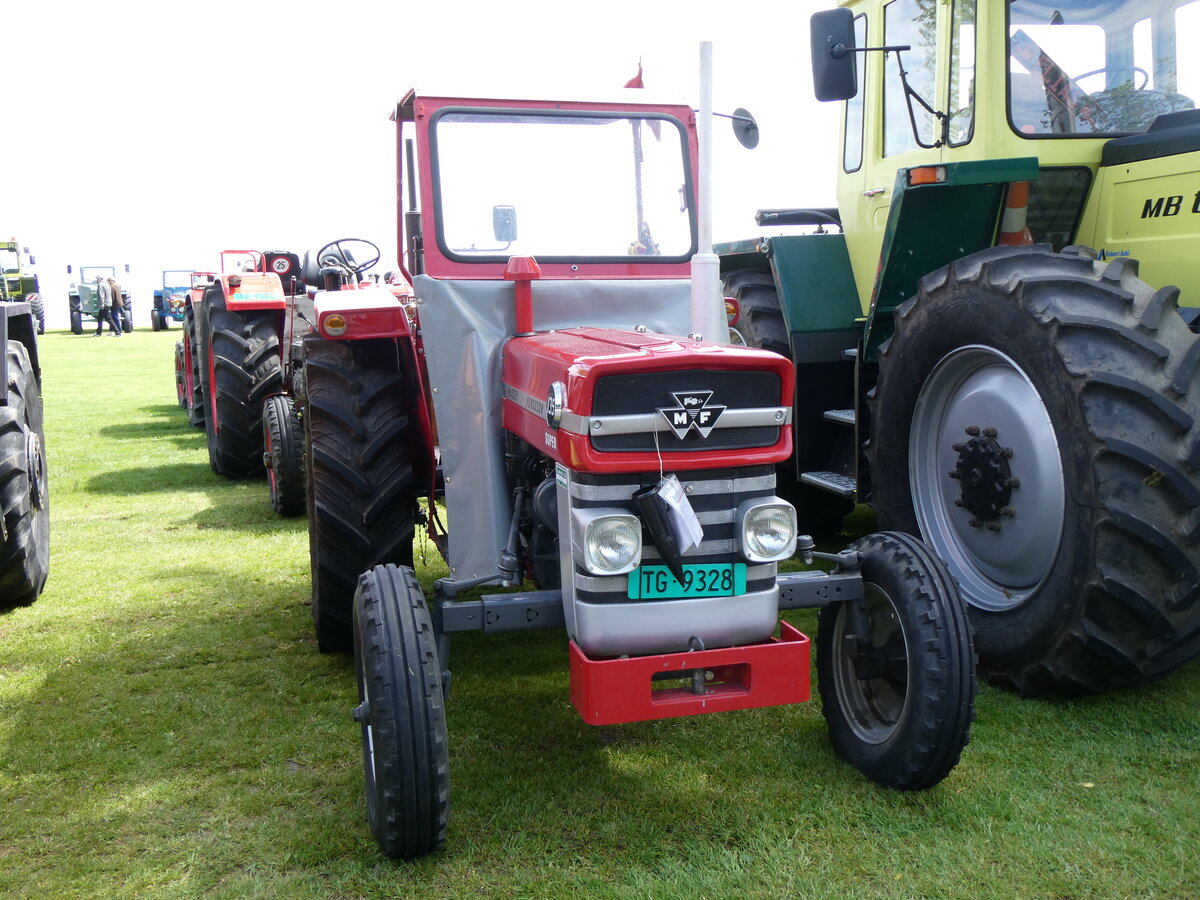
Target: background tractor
x=229 y=361
x=84 y=302
x=1026 y=405
x=24 y=495
x=170 y=301
x=599 y=458
x=19 y=283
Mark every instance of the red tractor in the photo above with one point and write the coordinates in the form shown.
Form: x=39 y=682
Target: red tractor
x=230 y=359
x=598 y=457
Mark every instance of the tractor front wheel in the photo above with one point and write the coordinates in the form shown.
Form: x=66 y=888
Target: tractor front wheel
x=896 y=670
x=283 y=437
x=1034 y=421
x=402 y=713
x=361 y=498
x=180 y=377
x=24 y=500
x=76 y=320
x=195 y=323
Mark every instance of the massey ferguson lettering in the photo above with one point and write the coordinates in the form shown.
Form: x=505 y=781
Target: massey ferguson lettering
x=693 y=411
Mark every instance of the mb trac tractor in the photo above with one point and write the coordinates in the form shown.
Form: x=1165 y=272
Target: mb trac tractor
x=1027 y=405
x=19 y=283
x=170 y=300
x=84 y=301
x=599 y=458
x=24 y=498
x=229 y=361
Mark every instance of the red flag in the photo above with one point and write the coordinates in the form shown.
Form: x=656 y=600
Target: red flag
x=636 y=80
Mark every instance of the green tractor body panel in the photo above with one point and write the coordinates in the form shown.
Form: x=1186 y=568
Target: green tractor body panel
x=930 y=225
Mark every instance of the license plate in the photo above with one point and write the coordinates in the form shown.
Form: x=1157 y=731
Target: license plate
x=657 y=582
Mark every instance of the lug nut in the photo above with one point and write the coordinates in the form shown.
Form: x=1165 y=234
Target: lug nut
x=989 y=432
x=1013 y=482
x=972 y=430
x=993 y=526
x=1006 y=452
x=1008 y=511
x=958 y=448
x=953 y=473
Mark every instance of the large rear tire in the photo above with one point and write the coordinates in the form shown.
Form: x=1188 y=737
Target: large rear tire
x=24 y=498
x=283 y=436
x=402 y=713
x=244 y=368
x=1035 y=421
x=195 y=323
x=900 y=697
x=361 y=497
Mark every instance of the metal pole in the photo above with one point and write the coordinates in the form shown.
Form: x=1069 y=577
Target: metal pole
x=708 y=311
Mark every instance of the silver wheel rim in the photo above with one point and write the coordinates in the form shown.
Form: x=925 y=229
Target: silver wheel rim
x=976 y=386
x=873 y=707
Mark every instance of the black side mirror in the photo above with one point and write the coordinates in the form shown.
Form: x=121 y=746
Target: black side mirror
x=834 y=73
x=504 y=223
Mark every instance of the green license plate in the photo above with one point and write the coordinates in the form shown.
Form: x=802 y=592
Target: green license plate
x=657 y=582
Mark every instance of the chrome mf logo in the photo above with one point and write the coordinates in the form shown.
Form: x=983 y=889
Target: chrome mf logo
x=693 y=411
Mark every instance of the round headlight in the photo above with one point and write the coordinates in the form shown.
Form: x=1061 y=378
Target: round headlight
x=612 y=544
x=770 y=532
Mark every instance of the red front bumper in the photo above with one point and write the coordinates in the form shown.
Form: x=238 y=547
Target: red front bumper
x=610 y=691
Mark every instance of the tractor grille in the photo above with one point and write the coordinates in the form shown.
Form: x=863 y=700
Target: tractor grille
x=649 y=392
x=714 y=495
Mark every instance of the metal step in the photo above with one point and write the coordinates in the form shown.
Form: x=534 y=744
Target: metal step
x=842 y=485
x=841 y=416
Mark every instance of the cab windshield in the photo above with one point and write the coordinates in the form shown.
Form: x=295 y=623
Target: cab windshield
x=9 y=261
x=1085 y=67
x=571 y=187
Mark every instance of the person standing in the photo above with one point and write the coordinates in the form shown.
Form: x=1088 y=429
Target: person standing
x=118 y=304
x=104 y=306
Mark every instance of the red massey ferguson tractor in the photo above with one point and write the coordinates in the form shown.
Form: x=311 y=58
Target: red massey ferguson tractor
x=230 y=358
x=612 y=468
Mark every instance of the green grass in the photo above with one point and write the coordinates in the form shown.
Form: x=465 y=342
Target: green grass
x=168 y=729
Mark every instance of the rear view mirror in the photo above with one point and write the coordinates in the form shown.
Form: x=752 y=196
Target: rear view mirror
x=834 y=74
x=504 y=223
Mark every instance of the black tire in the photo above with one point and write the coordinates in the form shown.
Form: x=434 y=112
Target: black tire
x=1083 y=574
x=360 y=493
x=156 y=321
x=195 y=322
x=181 y=389
x=283 y=438
x=126 y=314
x=243 y=369
x=24 y=498
x=760 y=319
x=900 y=703
x=402 y=713
x=37 y=305
x=76 y=321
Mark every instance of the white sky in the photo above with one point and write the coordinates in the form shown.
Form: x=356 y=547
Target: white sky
x=156 y=134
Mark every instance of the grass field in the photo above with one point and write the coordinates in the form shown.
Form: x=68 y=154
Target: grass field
x=168 y=729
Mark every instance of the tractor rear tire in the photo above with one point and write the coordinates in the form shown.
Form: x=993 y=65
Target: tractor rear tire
x=283 y=437
x=900 y=699
x=361 y=496
x=195 y=323
x=181 y=390
x=244 y=368
x=37 y=306
x=1035 y=420
x=760 y=318
x=402 y=713
x=24 y=499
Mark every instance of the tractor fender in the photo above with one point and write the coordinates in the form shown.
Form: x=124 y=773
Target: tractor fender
x=361 y=313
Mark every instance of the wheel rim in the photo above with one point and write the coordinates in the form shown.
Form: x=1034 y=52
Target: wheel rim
x=873 y=706
x=978 y=411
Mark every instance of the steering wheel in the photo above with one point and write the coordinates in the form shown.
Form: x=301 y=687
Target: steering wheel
x=344 y=258
x=1138 y=69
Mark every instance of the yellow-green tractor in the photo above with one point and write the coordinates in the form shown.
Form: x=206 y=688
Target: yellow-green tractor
x=18 y=283
x=991 y=330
